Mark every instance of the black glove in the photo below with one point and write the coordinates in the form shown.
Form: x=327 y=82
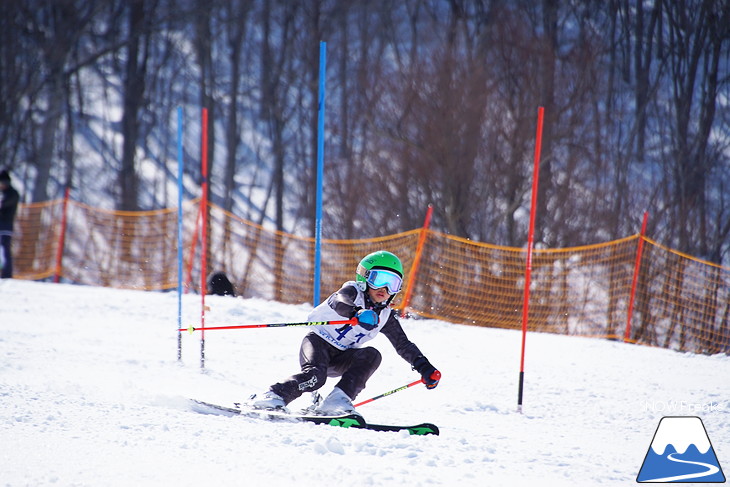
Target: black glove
x=429 y=374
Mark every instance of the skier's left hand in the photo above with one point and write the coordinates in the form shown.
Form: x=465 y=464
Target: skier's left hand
x=429 y=374
x=433 y=380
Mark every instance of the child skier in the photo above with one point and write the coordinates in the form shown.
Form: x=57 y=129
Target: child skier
x=334 y=351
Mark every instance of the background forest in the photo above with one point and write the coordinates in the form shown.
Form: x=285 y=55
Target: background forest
x=428 y=102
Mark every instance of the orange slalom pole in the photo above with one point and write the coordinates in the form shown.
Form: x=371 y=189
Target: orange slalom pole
x=530 y=238
x=416 y=261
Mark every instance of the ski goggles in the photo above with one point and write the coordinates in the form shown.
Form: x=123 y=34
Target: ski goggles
x=377 y=278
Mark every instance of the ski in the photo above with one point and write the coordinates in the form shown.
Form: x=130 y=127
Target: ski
x=344 y=421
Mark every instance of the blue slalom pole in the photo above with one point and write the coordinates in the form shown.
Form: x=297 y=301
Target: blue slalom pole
x=320 y=171
x=179 y=228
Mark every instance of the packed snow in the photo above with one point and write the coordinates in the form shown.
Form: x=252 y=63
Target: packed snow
x=92 y=394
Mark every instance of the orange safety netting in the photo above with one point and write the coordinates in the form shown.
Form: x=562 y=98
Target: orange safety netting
x=680 y=302
x=35 y=239
x=683 y=302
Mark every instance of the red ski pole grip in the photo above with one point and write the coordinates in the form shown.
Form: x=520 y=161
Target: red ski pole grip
x=435 y=375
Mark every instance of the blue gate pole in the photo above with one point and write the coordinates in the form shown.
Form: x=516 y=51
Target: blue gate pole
x=320 y=172
x=179 y=228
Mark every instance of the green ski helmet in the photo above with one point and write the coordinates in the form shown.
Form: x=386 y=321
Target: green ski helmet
x=390 y=277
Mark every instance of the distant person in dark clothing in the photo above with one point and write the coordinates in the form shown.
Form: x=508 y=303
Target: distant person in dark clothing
x=219 y=284
x=9 y=198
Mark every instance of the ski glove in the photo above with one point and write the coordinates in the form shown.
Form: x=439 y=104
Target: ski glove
x=429 y=374
x=367 y=318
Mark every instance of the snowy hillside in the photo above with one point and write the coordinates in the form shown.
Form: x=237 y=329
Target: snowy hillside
x=91 y=394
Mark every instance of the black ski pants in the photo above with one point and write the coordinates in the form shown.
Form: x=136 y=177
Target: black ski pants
x=319 y=360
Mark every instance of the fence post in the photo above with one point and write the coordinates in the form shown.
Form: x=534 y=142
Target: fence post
x=635 y=279
x=416 y=261
x=62 y=237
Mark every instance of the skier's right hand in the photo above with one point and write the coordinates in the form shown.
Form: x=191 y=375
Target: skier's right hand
x=367 y=318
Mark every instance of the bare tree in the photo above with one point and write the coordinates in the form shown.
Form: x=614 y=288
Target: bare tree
x=236 y=22
x=428 y=102
x=135 y=78
x=697 y=32
x=53 y=30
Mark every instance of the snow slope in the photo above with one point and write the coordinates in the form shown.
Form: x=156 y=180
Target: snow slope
x=91 y=394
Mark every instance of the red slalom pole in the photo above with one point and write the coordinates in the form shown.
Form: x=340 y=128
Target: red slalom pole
x=351 y=321
x=634 y=280
x=530 y=238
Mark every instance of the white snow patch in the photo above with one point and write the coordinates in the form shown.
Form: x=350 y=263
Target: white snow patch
x=91 y=393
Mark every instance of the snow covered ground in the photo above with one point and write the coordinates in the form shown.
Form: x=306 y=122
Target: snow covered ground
x=91 y=394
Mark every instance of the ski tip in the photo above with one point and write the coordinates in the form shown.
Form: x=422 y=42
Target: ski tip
x=203 y=407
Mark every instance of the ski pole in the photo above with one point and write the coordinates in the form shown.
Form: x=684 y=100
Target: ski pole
x=401 y=388
x=351 y=321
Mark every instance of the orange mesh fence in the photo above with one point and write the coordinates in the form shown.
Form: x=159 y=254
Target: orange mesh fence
x=581 y=291
x=680 y=302
x=121 y=249
x=35 y=239
x=279 y=266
